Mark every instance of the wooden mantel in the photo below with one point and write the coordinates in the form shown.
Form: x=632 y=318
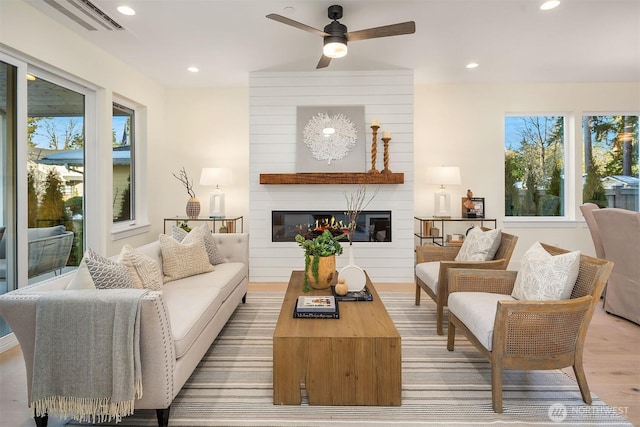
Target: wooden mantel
x=332 y=178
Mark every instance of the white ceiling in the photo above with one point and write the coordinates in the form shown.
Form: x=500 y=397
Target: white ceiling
x=512 y=40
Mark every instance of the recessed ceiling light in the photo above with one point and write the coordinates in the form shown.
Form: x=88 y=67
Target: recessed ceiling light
x=126 y=10
x=471 y=65
x=193 y=69
x=550 y=4
x=31 y=77
x=289 y=10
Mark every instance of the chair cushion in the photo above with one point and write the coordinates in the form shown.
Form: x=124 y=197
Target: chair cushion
x=215 y=257
x=183 y=260
x=477 y=310
x=429 y=272
x=543 y=276
x=480 y=245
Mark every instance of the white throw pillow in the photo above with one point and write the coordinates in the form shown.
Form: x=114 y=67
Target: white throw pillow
x=183 y=260
x=543 y=276
x=479 y=245
x=82 y=279
x=215 y=257
x=144 y=271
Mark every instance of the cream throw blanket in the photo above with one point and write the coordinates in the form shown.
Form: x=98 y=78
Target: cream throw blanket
x=87 y=354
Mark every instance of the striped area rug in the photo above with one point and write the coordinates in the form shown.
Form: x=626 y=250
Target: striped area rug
x=232 y=386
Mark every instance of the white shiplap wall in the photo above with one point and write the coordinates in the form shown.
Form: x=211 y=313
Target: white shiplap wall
x=273 y=98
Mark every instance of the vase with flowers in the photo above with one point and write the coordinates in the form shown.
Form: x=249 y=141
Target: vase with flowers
x=320 y=252
x=193 y=204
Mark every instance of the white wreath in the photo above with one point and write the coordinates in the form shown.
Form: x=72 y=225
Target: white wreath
x=330 y=138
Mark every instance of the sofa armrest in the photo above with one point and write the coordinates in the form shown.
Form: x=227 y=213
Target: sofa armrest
x=157 y=351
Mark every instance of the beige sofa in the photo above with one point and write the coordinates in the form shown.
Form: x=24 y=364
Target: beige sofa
x=178 y=324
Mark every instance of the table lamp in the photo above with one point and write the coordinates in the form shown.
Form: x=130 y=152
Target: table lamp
x=444 y=175
x=217 y=177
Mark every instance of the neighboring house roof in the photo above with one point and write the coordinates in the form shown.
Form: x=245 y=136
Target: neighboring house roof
x=121 y=156
x=623 y=180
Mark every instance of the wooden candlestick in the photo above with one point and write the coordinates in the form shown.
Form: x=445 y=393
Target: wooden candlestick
x=386 y=155
x=374 y=148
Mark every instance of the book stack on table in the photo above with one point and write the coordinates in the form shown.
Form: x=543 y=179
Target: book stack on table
x=317 y=307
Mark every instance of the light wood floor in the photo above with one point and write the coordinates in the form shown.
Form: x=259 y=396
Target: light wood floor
x=611 y=362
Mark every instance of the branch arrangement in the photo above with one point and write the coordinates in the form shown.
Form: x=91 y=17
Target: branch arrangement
x=184 y=179
x=356 y=203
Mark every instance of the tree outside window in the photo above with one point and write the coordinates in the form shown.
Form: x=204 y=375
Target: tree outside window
x=610 y=162
x=534 y=165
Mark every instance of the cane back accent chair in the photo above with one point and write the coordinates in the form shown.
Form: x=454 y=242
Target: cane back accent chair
x=525 y=335
x=432 y=275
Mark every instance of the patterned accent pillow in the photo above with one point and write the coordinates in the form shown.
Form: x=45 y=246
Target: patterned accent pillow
x=215 y=257
x=107 y=274
x=543 y=276
x=479 y=245
x=183 y=260
x=82 y=279
x=144 y=271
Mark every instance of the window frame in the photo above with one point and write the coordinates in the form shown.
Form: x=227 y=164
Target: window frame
x=570 y=171
x=139 y=224
x=580 y=159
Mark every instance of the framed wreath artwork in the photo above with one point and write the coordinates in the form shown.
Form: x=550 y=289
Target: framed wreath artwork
x=330 y=139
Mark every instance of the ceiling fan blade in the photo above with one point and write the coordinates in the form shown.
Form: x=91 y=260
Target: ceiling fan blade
x=384 y=31
x=296 y=24
x=324 y=62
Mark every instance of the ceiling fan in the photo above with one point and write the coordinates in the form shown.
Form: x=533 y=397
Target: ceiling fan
x=336 y=36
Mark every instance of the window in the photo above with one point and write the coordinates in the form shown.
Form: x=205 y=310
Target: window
x=610 y=161
x=123 y=126
x=534 y=166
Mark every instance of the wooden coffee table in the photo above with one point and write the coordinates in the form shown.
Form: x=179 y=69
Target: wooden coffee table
x=354 y=360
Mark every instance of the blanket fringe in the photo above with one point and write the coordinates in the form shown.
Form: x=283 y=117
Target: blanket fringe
x=96 y=410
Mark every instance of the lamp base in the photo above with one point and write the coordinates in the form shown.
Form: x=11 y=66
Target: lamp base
x=216 y=204
x=442 y=204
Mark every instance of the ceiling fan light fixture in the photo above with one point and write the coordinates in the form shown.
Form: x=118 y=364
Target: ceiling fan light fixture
x=334 y=49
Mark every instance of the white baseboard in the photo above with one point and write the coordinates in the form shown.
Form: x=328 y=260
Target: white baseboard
x=7 y=342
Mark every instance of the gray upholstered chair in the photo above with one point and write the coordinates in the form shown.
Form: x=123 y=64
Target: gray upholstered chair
x=620 y=234
x=587 y=212
x=434 y=262
x=525 y=335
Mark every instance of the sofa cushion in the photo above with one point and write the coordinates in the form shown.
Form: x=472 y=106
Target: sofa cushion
x=183 y=260
x=215 y=257
x=543 y=276
x=479 y=245
x=144 y=271
x=193 y=301
x=429 y=273
x=477 y=310
x=106 y=273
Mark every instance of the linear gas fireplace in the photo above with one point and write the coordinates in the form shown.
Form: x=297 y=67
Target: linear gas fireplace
x=372 y=226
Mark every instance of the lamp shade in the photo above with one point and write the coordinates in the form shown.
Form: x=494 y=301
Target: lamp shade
x=215 y=176
x=445 y=175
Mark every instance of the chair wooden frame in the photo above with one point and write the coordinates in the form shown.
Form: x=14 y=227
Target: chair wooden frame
x=533 y=334
x=446 y=256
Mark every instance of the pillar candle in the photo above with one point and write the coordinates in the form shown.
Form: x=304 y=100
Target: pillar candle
x=386 y=134
x=375 y=122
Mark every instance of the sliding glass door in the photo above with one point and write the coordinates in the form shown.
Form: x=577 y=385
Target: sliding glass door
x=8 y=191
